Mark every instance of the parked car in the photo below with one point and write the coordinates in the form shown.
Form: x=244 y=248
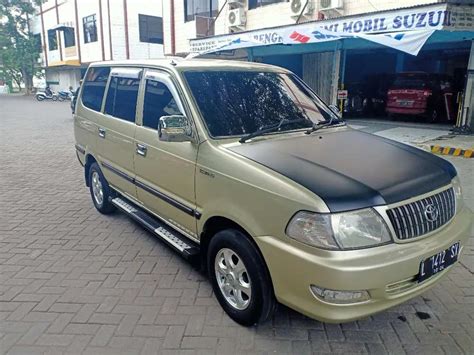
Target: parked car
x=420 y=94
x=241 y=168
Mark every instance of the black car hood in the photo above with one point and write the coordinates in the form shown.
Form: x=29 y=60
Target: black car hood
x=350 y=169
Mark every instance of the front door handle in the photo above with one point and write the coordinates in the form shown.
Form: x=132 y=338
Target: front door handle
x=101 y=133
x=141 y=149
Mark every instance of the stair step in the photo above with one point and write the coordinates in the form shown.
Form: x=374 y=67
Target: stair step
x=173 y=238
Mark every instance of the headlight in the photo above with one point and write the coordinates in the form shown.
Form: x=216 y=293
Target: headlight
x=457 y=192
x=348 y=230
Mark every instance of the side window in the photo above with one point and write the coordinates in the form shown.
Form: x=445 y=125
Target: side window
x=94 y=87
x=122 y=96
x=159 y=101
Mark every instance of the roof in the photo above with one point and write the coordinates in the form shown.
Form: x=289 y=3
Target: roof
x=179 y=63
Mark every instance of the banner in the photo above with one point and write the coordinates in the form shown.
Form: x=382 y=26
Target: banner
x=406 y=30
x=409 y=42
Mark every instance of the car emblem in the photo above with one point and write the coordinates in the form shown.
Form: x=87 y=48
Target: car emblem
x=431 y=213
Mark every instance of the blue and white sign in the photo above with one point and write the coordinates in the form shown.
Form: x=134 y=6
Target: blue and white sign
x=406 y=30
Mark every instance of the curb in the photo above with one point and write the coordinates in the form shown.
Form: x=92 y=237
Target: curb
x=457 y=152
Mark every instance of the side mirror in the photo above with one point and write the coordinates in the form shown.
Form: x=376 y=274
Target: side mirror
x=335 y=110
x=175 y=128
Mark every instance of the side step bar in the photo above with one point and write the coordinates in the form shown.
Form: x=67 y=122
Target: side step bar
x=176 y=240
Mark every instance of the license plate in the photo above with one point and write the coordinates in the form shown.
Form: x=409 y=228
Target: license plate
x=438 y=262
x=405 y=103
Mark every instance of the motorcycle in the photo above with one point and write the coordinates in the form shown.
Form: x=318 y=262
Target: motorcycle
x=65 y=95
x=41 y=96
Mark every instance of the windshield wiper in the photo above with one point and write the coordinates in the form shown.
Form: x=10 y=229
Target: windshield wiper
x=272 y=128
x=317 y=126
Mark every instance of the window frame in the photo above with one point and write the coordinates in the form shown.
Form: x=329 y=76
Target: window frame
x=142 y=18
x=82 y=88
x=192 y=17
x=124 y=73
x=166 y=80
x=56 y=45
x=260 y=3
x=85 y=21
x=67 y=32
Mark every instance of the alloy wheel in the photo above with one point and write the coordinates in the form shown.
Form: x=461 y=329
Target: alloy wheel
x=233 y=278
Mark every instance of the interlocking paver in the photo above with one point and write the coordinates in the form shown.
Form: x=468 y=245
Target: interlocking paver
x=73 y=280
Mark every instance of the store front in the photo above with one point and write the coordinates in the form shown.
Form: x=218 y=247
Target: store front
x=361 y=63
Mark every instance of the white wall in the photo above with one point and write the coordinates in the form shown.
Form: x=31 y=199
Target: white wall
x=141 y=50
x=91 y=52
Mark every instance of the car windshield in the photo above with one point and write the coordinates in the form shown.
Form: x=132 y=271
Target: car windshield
x=236 y=103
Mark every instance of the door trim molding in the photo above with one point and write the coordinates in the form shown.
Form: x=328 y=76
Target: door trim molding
x=175 y=203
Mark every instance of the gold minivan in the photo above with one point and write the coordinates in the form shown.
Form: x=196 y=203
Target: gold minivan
x=242 y=168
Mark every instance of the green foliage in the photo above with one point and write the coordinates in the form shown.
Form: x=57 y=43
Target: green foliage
x=19 y=50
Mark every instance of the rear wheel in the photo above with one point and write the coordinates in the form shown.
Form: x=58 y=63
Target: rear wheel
x=39 y=97
x=240 y=278
x=61 y=98
x=100 y=190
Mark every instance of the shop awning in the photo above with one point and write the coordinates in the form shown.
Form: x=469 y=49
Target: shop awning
x=406 y=30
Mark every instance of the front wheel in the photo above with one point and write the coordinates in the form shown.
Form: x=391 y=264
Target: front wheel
x=239 y=278
x=54 y=98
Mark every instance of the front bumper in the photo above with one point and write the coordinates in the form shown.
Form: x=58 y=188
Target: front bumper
x=387 y=272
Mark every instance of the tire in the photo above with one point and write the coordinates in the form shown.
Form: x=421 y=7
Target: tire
x=61 y=98
x=100 y=190
x=39 y=97
x=54 y=98
x=228 y=251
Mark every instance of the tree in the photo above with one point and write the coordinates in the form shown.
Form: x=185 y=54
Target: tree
x=19 y=49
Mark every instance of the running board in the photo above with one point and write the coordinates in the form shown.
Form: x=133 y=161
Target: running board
x=176 y=240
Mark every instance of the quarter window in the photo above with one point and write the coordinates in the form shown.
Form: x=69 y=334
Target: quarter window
x=121 y=99
x=151 y=29
x=202 y=8
x=94 y=87
x=52 y=40
x=159 y=101
x=89 y=24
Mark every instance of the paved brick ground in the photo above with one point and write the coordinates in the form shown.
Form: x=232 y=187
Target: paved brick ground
x=75 y=281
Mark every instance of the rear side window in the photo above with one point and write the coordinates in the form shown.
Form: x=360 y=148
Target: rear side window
x=94 y=87
x=159 y=101
x=121 y=99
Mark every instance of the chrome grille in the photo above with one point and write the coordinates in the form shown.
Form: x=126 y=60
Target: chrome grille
x=410 y=220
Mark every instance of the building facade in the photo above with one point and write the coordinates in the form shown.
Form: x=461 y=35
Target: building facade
x=75 y=33
x=360 y=66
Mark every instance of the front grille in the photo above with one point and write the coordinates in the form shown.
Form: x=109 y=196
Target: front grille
x=411 y=221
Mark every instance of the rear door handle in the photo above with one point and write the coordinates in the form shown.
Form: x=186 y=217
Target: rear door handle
x=141 y=149
x=101 y=133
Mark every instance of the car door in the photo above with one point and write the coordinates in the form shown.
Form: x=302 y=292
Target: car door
x=164 y=170
x=117 y=129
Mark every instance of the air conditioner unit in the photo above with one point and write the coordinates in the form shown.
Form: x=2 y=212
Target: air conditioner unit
x=236 y=17
x=296 y=6
x=330 y=5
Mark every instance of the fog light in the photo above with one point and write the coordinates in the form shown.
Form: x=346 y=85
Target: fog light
x=339 y=297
